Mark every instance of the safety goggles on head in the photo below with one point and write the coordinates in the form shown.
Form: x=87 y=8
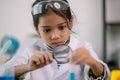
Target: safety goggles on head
x=42 y=6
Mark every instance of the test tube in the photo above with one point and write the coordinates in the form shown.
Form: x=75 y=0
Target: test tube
x=4 y=57
x=72 y=73
x=7 y=72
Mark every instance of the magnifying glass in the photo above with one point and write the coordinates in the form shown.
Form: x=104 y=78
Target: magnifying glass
x=61 y=53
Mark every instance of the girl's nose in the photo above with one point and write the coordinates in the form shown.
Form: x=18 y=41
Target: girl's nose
x=55 y=35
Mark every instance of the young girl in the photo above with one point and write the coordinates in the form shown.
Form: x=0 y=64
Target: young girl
x=53 y=22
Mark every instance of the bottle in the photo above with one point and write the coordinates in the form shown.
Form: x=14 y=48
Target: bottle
x=6 y=72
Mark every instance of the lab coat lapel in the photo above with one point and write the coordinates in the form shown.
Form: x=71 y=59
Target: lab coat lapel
x=74 y=43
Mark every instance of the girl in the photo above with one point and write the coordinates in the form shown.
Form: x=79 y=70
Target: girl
x=53 y=22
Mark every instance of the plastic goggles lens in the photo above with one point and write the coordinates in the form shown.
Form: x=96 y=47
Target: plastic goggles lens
x=42 y=6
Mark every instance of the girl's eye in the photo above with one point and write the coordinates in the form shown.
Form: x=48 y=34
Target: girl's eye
x=62 y=27
x=46 y=30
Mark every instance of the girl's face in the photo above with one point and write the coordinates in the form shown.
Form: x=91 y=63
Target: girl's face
x=53 y=29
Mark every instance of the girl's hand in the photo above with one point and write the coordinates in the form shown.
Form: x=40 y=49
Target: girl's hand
x=81 y=56
x=40 y=59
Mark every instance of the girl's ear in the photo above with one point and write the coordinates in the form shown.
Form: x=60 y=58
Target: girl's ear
x=38 y=33
x=71 y=23
x=37 y=30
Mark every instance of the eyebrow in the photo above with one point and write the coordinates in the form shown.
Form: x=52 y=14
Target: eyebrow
x=56 y=25
x=62 y=23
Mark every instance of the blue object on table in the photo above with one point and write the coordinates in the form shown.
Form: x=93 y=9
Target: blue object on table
x=7 y=72
x=7 y=78
x=72 y=76
x=13 y=44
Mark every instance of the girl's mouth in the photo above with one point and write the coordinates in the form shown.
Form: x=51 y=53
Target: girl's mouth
x=58 y=43
x=55 y=44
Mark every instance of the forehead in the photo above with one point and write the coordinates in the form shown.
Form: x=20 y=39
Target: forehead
x=50 y=19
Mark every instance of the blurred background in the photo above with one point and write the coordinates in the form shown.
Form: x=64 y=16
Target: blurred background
x=98 y=22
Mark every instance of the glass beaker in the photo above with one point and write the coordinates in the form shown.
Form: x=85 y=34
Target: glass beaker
x=6 y=72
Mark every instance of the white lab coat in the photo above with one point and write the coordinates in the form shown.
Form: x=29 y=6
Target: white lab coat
x=51 y=71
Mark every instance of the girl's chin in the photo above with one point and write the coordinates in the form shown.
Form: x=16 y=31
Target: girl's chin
x=57 y=45
x=54 y=46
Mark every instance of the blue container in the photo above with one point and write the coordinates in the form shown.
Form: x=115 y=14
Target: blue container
x=12 y=47
x=72 y=76
x=7 y=78
x=7 y=72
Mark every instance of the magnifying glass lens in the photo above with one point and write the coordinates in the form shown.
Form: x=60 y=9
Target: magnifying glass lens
x=61 y=54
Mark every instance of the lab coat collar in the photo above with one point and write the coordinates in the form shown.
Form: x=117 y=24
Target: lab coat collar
x=73 y=44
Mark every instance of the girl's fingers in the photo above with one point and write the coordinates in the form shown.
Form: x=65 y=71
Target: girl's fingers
x=50 y=57
x=77 y=57
x=72 y=58
x=36 y=60
x=80 y=60
x=45 y=57
x=41 y=58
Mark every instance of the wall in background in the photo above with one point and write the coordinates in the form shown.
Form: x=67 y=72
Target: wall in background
x=113 y=33
x=90 y=24
x=16 y=20
x=113 y=11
